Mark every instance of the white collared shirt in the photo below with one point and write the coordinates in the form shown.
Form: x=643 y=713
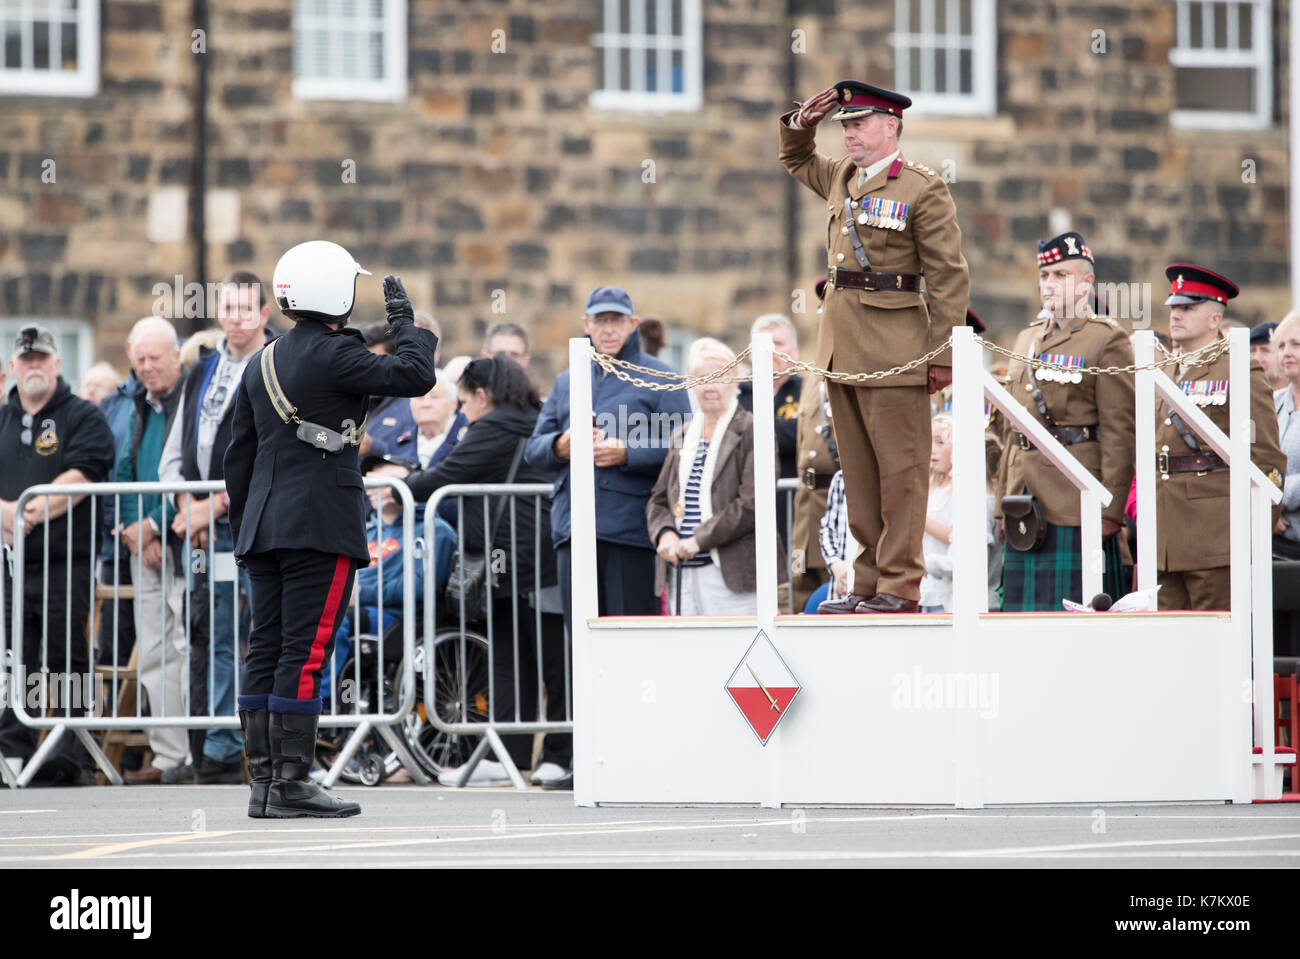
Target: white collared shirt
x=426 y=446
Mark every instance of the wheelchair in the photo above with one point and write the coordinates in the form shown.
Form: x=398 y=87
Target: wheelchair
x=377 y=689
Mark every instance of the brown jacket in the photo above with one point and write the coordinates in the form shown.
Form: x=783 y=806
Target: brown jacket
x=730 y=531
x=1192 y=519
x=864 y=332
x=814 y=455
x=1105 y=401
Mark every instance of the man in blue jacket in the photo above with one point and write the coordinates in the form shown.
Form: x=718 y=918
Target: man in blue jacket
x=633 y=427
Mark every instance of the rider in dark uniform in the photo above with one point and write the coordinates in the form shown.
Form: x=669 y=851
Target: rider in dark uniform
x=298 y=507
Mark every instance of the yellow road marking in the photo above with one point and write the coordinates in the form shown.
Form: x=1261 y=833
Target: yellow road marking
x=95 y=852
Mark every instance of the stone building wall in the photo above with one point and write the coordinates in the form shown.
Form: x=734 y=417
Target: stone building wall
x=498 y=192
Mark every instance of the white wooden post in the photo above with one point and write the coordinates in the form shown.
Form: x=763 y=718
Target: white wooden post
x=1268 y=784
x=1145 y=399
x=765 y=532
x=1237 y=667
x=969 y=550
x=1090 y=533
x=764 y=480
x=970 y=595
x=582 y=552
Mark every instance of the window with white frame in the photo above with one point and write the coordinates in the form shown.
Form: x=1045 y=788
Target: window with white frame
x=74 y=338
x=49 y=47
x=648 y=55
x=945 y=55
x=349 y=49
x=1223 y=66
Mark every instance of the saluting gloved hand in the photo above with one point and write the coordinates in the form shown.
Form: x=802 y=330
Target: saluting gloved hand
x=396 y=303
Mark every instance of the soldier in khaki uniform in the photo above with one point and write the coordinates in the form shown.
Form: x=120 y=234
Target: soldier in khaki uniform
x=1091 y=415
x=889 y=221
x=1192 y=519
x=817 y=461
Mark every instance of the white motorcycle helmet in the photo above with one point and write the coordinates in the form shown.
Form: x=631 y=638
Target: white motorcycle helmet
x=317 y=279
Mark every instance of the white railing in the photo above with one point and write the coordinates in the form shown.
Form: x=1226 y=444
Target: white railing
x=1250 y=497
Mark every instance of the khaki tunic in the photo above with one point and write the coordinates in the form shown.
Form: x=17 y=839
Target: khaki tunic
x=883 y=434
x=1103 y=400
x=1192 y=519
x=864 y=332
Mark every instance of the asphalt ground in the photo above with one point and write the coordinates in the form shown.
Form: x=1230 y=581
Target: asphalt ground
x=206 y=827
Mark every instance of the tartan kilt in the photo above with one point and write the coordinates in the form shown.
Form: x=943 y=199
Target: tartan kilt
x=1037 y=581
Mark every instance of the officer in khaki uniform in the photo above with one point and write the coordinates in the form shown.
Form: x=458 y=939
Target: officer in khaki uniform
x=1192 y=520
x=1091 y=415
x=889 y=220
x=817 y=461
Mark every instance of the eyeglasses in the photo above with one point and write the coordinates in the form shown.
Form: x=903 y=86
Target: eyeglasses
x=608 y=319
x=26 y=435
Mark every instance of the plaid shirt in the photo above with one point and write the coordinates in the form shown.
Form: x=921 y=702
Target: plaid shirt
x=835 y=526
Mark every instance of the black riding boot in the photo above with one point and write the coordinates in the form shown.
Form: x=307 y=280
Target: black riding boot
x=257 y=747
x=292 y=793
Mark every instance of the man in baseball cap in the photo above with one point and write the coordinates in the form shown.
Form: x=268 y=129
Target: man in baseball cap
x=35 y=339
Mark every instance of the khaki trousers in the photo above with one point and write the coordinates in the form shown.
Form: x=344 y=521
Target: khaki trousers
x=1198 y=589
x=883 y=435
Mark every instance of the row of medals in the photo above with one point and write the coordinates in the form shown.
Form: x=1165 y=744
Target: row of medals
x=1058 y=376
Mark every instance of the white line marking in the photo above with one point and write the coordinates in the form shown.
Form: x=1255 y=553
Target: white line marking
x=23 y=812
x=996 y=852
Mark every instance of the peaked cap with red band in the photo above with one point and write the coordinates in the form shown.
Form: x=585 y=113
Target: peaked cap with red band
x=861 y=99
x=1194 y=284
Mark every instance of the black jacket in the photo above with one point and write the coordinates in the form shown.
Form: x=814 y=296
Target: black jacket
x=483 y=455
x=285 y=493
x=68 y=433
x=785 y=404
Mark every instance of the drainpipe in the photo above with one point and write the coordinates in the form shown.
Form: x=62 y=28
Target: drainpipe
x=199 y=169
x=792 y=258
x=1293 y=130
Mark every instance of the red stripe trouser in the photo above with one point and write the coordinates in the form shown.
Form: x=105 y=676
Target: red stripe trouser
x=299 y=597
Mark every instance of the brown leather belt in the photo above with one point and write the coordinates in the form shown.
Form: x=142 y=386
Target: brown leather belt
x=1065 y=435
x=841 y=279
x=810 y=479
x=1189 y=463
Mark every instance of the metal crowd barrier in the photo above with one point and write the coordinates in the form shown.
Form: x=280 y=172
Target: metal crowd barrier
x=99 y=710
x=459 y=686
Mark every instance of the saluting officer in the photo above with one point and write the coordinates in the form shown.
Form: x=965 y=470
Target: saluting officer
x=889 y=221
x=1192 y=521
x=298 y=505
x=1091 y=415
x=817 y=459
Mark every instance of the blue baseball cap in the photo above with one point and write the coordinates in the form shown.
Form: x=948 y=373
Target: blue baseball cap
x=609 y=299
x=1262 y=332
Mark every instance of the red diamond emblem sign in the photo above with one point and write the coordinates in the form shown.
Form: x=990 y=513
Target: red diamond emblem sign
x=762 y=687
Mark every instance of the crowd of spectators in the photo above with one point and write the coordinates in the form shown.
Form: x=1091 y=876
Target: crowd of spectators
x=675 y=507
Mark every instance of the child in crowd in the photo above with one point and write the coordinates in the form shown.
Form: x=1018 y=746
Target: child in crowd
x=936 y=585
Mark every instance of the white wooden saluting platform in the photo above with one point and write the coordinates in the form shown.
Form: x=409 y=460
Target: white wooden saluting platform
x=963 y=710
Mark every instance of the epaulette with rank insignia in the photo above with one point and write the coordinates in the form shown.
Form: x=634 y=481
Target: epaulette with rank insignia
x=920 y=168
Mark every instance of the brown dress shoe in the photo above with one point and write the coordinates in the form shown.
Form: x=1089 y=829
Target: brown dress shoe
x=148 y=776
x=849 y=604
x=884 y=603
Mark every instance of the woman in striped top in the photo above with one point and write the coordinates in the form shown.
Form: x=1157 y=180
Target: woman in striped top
x=701 y=512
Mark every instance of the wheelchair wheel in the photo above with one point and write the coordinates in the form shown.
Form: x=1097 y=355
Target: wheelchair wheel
x=437 y=751
x=372 y=769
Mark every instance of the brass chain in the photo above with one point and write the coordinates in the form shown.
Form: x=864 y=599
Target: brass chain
x=681 y=381
x=1206 y=354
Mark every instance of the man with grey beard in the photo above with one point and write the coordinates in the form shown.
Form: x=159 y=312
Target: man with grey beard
x=49 y=435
